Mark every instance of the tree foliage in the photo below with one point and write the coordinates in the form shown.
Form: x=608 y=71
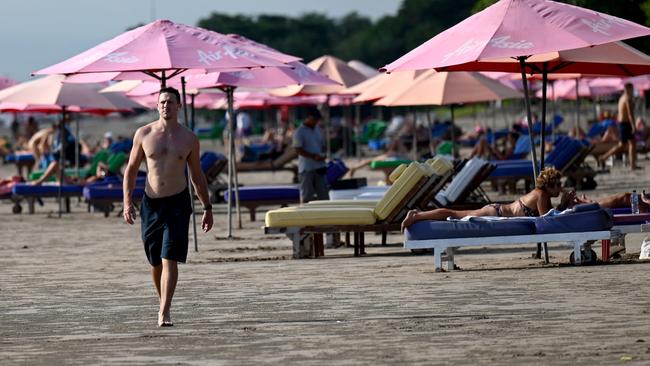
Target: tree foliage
x=379 y=42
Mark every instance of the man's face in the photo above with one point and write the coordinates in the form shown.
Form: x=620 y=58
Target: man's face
x=168 y=106
x=311 y=121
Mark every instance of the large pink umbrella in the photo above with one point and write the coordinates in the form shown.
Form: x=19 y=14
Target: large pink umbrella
x=51 y=91
x=163 y=46
x=6 y=82
x=518 y=29
x=163 y=49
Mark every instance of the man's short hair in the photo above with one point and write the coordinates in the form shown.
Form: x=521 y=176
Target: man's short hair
x=170 y=90
x=314 y=112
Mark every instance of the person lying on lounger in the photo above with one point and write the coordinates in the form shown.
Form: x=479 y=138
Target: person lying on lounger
x=534 y=203
x=618 y=200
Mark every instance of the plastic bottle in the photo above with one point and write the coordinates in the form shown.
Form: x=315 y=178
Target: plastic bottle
x=634 y=199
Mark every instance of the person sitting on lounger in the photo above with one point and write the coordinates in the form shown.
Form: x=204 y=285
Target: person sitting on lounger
x=535 y=203
x=68 y=152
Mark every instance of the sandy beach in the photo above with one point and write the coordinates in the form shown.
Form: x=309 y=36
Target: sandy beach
x=76 y=290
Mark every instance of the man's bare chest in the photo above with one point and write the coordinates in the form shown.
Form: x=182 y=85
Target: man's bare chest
x=165 y=148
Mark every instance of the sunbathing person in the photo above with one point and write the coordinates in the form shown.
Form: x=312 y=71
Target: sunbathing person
x=394 y=150
x=535 y=203
x=618 y=200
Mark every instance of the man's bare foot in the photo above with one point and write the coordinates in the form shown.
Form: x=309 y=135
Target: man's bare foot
x=165 y=320
x=37 y=182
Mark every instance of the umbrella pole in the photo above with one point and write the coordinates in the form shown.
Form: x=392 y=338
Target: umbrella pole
x=577 y=126
x=554 y=109
x=328 y=144
x=429 y=132
x=357 y=128
x=231 y=157
x=192 y=110
x=543 y=142
x=189 y=172
x=543 y=131
x=529 y=116
x=62 y=148
x=453 y=132
x=494 y=124
x=76 y=149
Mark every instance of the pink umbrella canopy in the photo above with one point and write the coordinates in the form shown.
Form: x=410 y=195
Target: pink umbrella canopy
x=163 y=45
x=6 y=82
x=445 y=88
x=613 y=59
x=203 y=100
x=270 y=77
x=51 y=91
x=334 y=69
x=586 y=88
x=518 y=28
x=382 y=85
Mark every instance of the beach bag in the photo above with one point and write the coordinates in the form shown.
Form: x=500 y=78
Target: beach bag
x=645 y=248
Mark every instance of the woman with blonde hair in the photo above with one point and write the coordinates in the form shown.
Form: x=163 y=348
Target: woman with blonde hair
x=535 y=203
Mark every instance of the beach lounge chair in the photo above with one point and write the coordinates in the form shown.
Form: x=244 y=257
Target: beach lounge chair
x=567 y=157
x=257 y=196
x=22 y=161
x=101 y=196
x=578 y=227
x=32 y=193
x=305 y=221
x=465 y=184
x=279 y=164
x=387 y=166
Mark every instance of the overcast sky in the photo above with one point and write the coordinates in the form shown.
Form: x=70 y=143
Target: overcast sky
x=37 y=33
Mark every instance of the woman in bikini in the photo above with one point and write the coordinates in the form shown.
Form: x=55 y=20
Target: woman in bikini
x=534 y=203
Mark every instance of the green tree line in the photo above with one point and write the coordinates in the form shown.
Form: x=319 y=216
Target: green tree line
x=379 y=42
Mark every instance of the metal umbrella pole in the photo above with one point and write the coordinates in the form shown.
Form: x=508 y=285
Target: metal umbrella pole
x=326 y=117
x=76 y=149
x=543 y=145
x=189 y=172
x=529 y=116
x=232 y=167
x=62 y=148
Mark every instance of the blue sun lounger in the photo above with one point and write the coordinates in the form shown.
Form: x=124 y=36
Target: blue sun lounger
x=102 y=195
x=256 y=196
x=32 y=193
x=578 y=227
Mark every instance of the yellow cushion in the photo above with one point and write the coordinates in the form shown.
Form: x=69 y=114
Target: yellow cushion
x=397 y=172
x=341 y=203
x=321 y=216
x=441 y=166
x=400 y=189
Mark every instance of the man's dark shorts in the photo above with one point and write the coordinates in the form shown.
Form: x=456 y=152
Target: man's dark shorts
x=625 y=131
x=165 y=224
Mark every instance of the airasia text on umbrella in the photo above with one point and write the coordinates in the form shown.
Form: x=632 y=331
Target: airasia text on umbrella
x=121 y=58
x=208 y=57
x=498 y=42
x=602 y=25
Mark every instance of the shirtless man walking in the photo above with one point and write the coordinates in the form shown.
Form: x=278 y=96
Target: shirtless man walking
x=166 y=147
x=626 y=128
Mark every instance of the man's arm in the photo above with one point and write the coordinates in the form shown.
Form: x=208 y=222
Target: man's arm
x=135 y=159
x=200 y=184
x=309 y=155
x=630 y=111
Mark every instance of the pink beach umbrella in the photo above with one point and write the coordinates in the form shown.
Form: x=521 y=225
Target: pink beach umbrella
x=337 y=70
x=163 y=46
x=517 y=29
x=163 y=49
x=6 y=82
x=51 y=91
